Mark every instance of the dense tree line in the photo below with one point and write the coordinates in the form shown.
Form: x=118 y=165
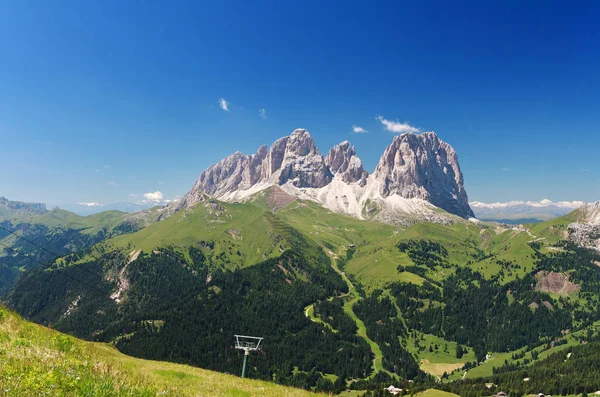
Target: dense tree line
x=572 y=371
x=332 y=312
x=474 y=311
x=425 y=253
x=385 y=328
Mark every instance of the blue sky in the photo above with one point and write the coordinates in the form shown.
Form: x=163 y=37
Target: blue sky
x=103 y=100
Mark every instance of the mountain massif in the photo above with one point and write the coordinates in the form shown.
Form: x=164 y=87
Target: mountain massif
x=416 y=175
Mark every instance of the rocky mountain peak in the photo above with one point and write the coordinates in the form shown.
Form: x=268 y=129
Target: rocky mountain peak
x=343 y=161
x=425 y=167
x=414 y=166
x=303 y=165
x=301 y=143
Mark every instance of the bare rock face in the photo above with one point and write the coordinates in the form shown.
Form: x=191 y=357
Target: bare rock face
x=589 y=213
x=343 y=162
x=302 y=163
x=225 y=176
x=252 y=172
x=274 y=158
x=585 y=232
x=423 y=166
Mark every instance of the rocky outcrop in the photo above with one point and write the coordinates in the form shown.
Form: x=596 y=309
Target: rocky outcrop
x=423 y=166
x=585 y=231
x=35 y=208
x=589 y=213
x=344 y=163
x=416 y=174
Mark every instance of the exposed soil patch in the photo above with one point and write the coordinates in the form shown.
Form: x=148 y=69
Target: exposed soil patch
x=283 y=269
x=122 y=281
x=277 y=199
x=438 y=369
x=235 y=234
x=555 y=282
x=548 y=305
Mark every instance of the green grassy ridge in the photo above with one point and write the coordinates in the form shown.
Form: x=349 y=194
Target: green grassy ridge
x=37 y=361
x=67 y=219
x=375 y=265
x=244 y=234
x=53 y=233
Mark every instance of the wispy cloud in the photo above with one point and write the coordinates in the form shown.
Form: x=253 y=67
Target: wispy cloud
x=262 y=113
x=161 y=183
x=359 y=130
x=107 y=166
x=154 y=196
x=507 y=169
x=132 y=195
x=224 y=104
x=113 y=184
x=396 y=126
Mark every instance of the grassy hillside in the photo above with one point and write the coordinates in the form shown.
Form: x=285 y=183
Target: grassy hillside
x=53 y=233
x=243 y=234
x=39 y=361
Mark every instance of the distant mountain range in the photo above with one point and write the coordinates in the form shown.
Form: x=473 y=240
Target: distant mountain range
x=124 y=206
x=516 y=212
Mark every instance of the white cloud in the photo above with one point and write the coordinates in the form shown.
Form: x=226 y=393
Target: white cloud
x=224 y=104
x=113 y=184
x=132 y=195
x=506 y=169
x=161 y=183
x=358 y=129
x=107 y=166
x=262 y=113
x=396 y=126
x=156 y=196
x=92 y=204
